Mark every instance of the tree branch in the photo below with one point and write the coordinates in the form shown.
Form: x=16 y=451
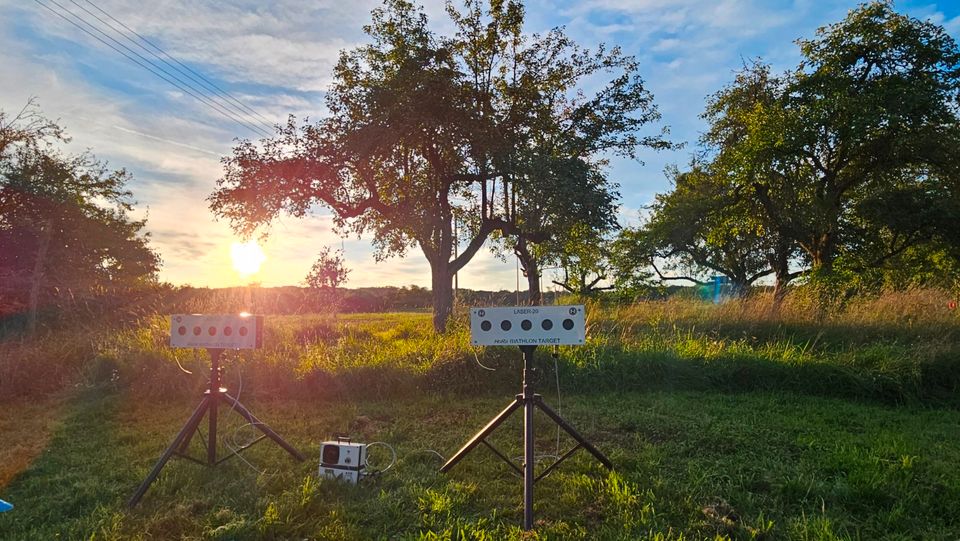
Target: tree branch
x=668 y=278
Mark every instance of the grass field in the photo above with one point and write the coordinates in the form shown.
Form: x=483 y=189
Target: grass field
x=723 y=422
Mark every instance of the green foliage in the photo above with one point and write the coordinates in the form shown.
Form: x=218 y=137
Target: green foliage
x=850 y=154
x=425 y=130
x=325 y=278
x=327 y=271
x=64 y=219
x=583 y=257
x=704 y=225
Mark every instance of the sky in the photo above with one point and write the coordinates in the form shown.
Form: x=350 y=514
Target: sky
x=276 y=59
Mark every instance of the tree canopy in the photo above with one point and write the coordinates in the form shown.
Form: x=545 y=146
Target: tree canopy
x=424 y=130
x=64 y=219
x=839 y=168
x=870 y=114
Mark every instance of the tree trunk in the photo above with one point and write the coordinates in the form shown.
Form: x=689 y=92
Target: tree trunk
x=531 y=268
x=442 y=288
x=534 y=295
x=38 y=266
x=780 y=262
x=780 y=290
x=739 y=285
x=823 y=253
x=822 y=262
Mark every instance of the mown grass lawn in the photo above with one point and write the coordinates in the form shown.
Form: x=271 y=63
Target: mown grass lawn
x=691 y=465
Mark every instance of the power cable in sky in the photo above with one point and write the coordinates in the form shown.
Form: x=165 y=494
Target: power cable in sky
x=179 y=67
x=169 y=78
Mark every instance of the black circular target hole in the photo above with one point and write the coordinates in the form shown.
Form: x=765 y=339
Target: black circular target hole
x=197 y=330
x=243 y=331
x=526 y=325
x=485 y=325
x=546 y=324
x=568 y=324
x=182 y=330
x=227 y=331
x=505 y=325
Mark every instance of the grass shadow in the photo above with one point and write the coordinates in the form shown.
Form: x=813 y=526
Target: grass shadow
x=68 y=490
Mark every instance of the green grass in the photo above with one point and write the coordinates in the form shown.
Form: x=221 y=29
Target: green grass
x=689 y=465
x=897 y=358
x=722 y=421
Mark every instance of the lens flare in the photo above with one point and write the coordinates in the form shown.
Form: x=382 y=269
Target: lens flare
x=247 y=257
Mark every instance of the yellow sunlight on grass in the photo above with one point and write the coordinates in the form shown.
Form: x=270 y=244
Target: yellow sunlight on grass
x=247 y=257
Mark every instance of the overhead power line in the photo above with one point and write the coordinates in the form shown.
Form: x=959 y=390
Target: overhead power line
x=158 y=71
x=192 y=74
x=233 y=108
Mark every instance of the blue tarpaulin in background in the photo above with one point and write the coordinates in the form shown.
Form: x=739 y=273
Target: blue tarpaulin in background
x=718 y=289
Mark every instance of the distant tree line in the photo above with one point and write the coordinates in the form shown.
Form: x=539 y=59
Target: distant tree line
x=303 y=300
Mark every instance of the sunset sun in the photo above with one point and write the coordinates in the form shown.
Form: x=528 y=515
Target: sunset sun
x=247 y=257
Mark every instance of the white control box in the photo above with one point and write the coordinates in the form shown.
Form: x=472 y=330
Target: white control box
x=343 y=460
x=216 y=331
x=528 y=326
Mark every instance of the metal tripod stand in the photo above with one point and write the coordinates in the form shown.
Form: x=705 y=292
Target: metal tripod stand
x=528 y=400
x=208 y=406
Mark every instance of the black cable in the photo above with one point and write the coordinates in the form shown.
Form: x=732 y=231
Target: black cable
x=233 y=109
x=188 y=90
x=190 y=73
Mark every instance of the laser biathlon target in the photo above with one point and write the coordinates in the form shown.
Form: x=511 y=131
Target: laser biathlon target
x=528 y=326
x=216 y=331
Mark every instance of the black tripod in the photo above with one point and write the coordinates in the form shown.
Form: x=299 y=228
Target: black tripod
x=211 y=399
x=528 y=400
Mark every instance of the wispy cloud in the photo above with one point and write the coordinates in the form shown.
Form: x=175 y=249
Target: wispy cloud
x=167 y=141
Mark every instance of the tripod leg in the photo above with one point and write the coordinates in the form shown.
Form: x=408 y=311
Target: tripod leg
x=184 y=432
x=212 y=431
x=191 y=428
x=188 y=438
x=261 y=426
x=529 y=463
x=479 y=436
x=573 y=432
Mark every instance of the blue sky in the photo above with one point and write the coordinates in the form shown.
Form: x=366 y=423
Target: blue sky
x=276 y=57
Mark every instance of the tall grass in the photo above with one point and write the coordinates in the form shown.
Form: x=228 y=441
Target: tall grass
x=896 y=347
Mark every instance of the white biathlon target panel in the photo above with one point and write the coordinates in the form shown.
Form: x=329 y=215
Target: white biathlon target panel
x=216 y=331
x=528 y=326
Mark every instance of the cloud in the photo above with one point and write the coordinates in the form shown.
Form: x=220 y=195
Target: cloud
x=276 y=58
x=184 y=245
x=281 y=44
x=167 y=141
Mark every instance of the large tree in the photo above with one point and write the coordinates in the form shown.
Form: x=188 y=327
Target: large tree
x=424 y=130
x=869 y=118
x=705 y=224
x=562 y=220
x=64 y=219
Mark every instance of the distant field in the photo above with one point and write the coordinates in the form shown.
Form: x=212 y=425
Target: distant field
x=723 y=422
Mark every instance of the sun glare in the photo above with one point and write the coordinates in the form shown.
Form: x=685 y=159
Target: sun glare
x=247 y=257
